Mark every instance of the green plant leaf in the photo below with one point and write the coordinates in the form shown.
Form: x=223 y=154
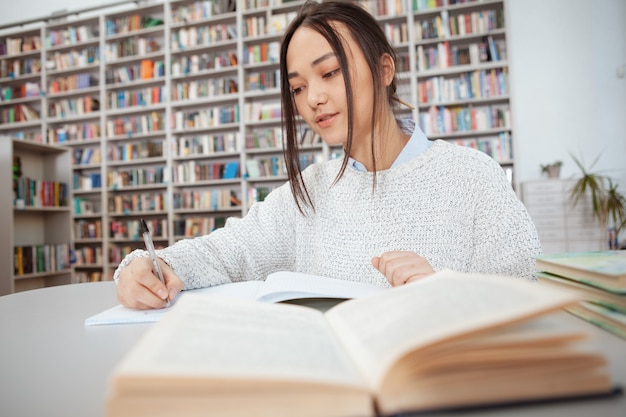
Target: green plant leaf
x=591 y=184
x=615 y=205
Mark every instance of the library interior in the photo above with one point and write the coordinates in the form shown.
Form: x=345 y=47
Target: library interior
x=131 y=124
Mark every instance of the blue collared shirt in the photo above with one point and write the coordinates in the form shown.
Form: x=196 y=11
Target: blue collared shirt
x=417 y=144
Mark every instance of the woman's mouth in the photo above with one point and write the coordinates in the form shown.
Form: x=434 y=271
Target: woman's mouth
x=325 y=120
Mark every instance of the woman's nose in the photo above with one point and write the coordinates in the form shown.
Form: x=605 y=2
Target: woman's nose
x=316 y=97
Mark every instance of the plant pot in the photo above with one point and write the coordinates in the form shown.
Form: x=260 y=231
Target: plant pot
x=554 y=171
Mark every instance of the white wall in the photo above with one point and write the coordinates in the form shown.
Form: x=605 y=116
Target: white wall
x=566 y=94
x=567 y=97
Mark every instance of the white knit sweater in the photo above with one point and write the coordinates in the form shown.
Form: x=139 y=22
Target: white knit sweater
x=452 y=205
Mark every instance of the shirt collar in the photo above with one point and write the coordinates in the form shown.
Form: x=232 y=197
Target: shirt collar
x=417 y=144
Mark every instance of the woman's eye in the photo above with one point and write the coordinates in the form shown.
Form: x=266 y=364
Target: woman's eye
x=296 y=90
x=332 y=73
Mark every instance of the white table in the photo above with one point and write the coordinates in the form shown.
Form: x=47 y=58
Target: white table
x=51 y=364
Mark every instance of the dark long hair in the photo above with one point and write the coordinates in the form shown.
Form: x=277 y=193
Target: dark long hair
x=370 y=37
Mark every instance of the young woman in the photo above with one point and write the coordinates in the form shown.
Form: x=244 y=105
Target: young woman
x=396 y=208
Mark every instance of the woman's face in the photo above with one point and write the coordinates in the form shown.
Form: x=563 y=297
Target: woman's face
x=317 y=83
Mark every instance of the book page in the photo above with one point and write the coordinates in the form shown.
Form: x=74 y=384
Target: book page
x=122 y=315
x=246 y=290
x=286 y=285
x=378 y=330
x=213 y=338
x=279 y=286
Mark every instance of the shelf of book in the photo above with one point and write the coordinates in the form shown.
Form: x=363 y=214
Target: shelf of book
x=180 y=85
x=21 y=95
x=37 y=216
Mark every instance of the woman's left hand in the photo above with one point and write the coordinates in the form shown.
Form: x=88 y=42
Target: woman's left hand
x=400 y=267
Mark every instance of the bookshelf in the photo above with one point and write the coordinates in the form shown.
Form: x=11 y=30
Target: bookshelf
x=171 y=109
x=21 y=76
x=36 y=249
x=205 y=105
x=462 y=76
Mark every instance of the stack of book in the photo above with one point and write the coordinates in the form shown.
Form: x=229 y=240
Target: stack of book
x=598 y=278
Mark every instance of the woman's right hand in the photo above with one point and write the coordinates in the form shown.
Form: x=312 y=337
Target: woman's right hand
x=139 y=288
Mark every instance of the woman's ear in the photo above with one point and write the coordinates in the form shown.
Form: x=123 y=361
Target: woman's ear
x=388 y=69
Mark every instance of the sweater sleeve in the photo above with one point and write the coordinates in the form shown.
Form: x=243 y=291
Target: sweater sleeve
x=247 y=248
x=505 y=237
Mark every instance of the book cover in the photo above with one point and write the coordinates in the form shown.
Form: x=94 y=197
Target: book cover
x=231 y=170
x=606 y=318
x=614 y=299
x=595 y=267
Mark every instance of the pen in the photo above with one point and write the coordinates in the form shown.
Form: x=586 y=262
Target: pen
x=150 y=248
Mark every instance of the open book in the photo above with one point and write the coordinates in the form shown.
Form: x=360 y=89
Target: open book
x=279 y=286
x=449 y=340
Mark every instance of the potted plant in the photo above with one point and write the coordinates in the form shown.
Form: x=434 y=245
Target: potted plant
x=615 y=209
x=553 y=170
x=608 y=204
